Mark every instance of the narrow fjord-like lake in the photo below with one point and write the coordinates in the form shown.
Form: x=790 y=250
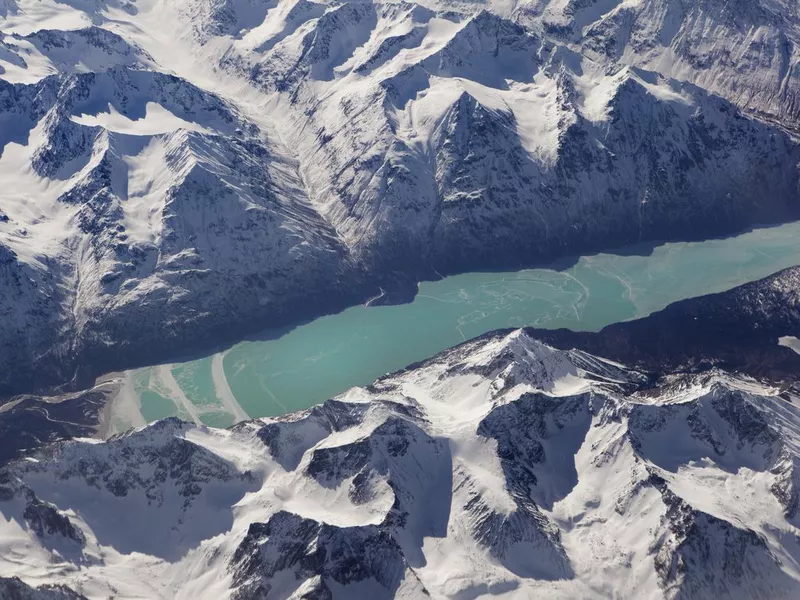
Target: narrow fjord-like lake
x=316 y=361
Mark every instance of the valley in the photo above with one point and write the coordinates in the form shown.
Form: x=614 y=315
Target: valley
x=509 y=466
x=180 y=176
x=393 y=299
x=293 y=370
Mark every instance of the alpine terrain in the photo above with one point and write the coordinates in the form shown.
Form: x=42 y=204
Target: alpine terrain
x=504 y=467
x=180 y=174
x=176 y=175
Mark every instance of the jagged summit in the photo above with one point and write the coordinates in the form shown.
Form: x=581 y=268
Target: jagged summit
x=179 y=174
x=501 y=466
x=151 y=149
x=44 y=52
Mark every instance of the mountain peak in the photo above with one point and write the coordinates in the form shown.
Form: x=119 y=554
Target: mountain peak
x=403 y=488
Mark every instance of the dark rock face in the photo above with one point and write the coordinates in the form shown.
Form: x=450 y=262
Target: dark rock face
x=526 y=541
x=253 y=235
x=310 y=549
x=28 y=295
x=526 y=429
x=12 y=588
x=336 y=464
x=748 y=425
x=737 y=330
x=704 y=556
x=396 y=452
x=145 y=478
x=288 y=439
x=762 y=78
x=45 y=519
x=532 y=212
x=724 y=424
x=526 y=432
x=126 y=466
x=787 y=485
x=32 y=422
x=223 y=204
x=511 y=486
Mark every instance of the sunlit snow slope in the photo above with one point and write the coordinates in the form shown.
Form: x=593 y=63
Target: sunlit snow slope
x=176 y=174
x=503 y=467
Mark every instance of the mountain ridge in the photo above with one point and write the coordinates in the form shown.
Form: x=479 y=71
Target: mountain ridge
x=377 y=143
x=481 y=471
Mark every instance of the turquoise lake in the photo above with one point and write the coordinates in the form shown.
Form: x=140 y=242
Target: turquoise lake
x=313 y=362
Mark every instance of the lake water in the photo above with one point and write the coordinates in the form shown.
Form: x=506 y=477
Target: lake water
x=316 y=361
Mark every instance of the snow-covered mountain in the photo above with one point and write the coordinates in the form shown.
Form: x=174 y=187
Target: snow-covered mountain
x=176 y=174
x=15 y=589
x=503 y=467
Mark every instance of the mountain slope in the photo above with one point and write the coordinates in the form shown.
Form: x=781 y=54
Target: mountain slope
x=736 y=330
x=502 y=467
x=196 y=171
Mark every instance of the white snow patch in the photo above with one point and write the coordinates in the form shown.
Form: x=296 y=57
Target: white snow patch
x=157 y=119
x=789 y=341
